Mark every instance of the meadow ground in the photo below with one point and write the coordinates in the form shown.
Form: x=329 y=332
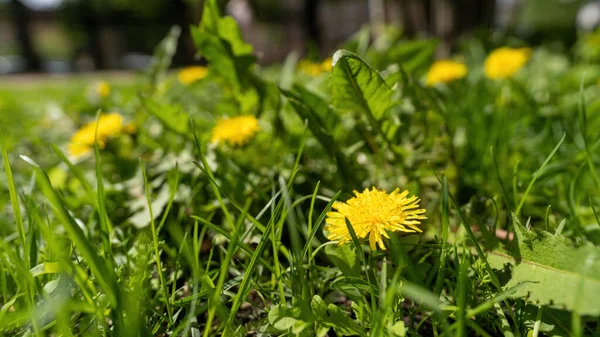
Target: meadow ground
x=373 y=193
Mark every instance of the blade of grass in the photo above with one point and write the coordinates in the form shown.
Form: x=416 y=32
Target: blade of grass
x=14 y=200
x=307 y=245
x=509 y=202
x=462 y=297
x=105 y=276
x=237 y=301
x=105 y=227
x=229 y=237
x=317 y=225
x=159 y=270
x=427 y=298
x=231 y=248
x=478 y=249
x=363 y=261
x=594 y=211
x=538 y=173
x=439 y=282
x=583 y=125
x=206 y=169
x=489 y=304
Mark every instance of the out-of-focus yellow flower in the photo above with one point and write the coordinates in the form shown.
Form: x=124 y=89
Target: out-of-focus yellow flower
x=372 y=213
x=192 y=74
x=83 y=140
x=103 y=89
x=505 y=62
x=327 y=64
x=236 y=131
x=315 y=69
x=129 y=128
x=445 y=71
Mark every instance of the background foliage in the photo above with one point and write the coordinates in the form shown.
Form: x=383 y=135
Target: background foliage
x=164 y=232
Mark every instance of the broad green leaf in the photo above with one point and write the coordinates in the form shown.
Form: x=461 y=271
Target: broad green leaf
x=412 y=54
x=313 y=109
x=355 y=86
x=345 y=258
x=171 y=116
x=556 y=271
x=219 y=40
x=284 y=318
x=333 y=317
x=320 y=107
x=230 y=32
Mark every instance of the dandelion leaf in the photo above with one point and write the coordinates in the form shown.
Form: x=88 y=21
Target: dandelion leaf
x=357 y=87
x=333 y=317
x=171 y=116
x=345 y=258
x=220 y=41
x=557 y=273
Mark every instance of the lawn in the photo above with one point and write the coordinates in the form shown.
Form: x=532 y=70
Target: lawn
x=376 y=192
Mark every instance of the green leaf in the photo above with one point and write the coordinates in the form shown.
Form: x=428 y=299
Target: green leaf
x=283 y=318
x=171 y=116
x=332 y=316
x=321 y=119
x=357 y=87
x=230 y=32
x=558 y=273
x=412 y=54
x=163 y=55
x=98 y=267
x=345 y=258
x=220 y=41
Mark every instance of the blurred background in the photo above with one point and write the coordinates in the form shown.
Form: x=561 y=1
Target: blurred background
x=64 y=36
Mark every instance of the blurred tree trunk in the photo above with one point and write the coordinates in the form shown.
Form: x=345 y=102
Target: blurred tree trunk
x=442 y=25
x=21 y=19
x=377 y=17
x=184 y=16
x=414 y=14
x=472 y=14
x=91 y=27
x=311 y=21
x=446 y=19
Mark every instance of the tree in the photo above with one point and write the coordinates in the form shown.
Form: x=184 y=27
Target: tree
x=21 y=18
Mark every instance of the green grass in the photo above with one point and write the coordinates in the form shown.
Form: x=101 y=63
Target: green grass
x=161 y=232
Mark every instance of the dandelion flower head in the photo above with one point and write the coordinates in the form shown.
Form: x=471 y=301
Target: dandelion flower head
x=192 y=74
x=372 y=214
x=505 y=62
x=236 y=131
x=103 y=89
x=315 y=69
x=327 y=64
x=83 y=140
x=445 y=71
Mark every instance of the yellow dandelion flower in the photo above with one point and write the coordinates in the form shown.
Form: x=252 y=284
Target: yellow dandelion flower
x=129 y=128
x=236 y=131
x=372 y=213
x=327 y=65
x=192 y=74
x=505 y=62
x=103 y=89
x=445 y=71
x=83 y=140
x=310 y=68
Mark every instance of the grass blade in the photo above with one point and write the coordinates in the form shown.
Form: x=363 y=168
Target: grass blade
x=159 y=270
x=538 y=173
